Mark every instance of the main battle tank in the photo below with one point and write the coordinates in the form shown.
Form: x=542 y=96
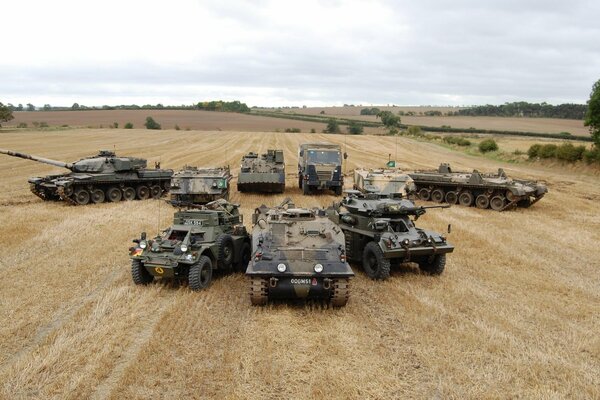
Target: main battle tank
x=193 y=185
x=101 y=177
x=262 y=173
x=297 y=253
x=383 y=181
x=476 y=189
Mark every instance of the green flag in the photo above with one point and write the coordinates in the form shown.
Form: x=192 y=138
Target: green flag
x=391 y=164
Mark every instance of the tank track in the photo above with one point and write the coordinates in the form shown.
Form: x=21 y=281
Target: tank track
x=259 y=292
x=39 y=193
x=61 y=193
x=340 y=292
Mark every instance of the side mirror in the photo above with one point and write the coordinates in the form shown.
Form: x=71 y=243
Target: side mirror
x=136 y=241
x=345 y=155
x=143 y=235
x=254 y=218
x=301 y=153
x=449 y=228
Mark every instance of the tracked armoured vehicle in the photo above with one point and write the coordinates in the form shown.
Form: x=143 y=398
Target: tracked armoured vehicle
x=495 y=191
x=383 y=181
x=320 y=167
x=297 y=253
x=103 y=177
x=199 y=241
x=193 y=185
x=262 y=173
x=380 y=232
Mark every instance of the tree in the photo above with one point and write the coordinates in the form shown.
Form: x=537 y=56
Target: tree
x=354 y=128
x=30 y=107
x=152 y=124
x=47 y=107
x=592 y=116
x=5 y=113
x=75 y=106
x=332 y=126
x=389 y=119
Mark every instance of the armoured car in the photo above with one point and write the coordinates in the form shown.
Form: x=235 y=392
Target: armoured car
x=384 y=181
x=297 y=253
x=103 y=177
x=495 y=191
x=380 y=231
x=262 y=173
x=193 y=185
x=320 y=167
x=199 y=241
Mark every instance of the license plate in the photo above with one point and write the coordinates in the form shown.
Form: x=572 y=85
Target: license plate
x=300 y=281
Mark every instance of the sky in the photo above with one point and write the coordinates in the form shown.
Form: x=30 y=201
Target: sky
x=294 y=53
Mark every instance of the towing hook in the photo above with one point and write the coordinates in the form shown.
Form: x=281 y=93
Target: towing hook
x=326 y=283
x=273 y=282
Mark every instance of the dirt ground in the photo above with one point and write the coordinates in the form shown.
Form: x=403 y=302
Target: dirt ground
x=515 y=314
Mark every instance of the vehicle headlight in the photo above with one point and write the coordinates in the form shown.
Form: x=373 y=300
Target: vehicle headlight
x=281 y=267
x=406 y=242
x=318 y=268
x=143 y=244
x=189 y=257
x=184 y=248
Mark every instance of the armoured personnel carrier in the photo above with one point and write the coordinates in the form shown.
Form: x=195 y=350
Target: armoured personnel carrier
x=193 y=185
x=379 y=232
x=297 y=253
x=495 y=191
x=384 y=181
x=199 y=241
x=262 y=173
x=103 y=177
x=320 y=167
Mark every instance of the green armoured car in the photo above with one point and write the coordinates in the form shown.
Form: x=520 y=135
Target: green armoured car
x=199 y=241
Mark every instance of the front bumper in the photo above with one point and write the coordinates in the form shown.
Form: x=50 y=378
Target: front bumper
x=409 y=252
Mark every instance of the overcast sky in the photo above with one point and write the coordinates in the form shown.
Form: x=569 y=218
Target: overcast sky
x=315 y=53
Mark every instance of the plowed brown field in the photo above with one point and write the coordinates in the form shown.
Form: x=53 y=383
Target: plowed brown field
x=515 y=314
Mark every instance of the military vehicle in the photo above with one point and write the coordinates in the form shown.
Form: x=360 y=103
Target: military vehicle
x=193 y=185
x=103 y=177
x=384 y=181
x=320 y=167
x=297 y=253
x=262 y=173
x=379 y=232
x=199 y=241
x=474 y=188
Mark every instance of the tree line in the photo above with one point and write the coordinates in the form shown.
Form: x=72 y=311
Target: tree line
x=218 y=105
x=525 y=109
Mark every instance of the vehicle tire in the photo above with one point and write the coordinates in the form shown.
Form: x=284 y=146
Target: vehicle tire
x=81 y=197
x=437 y=195
x=465 y=199
x=139 y=274
x=338 y=190
x=374 y=264
x=128 y=193
x=97 y=196
x=424 y=194
x=433 y=265
x=245 y=254
x=225 y=250
x=451 y=197
x=305 y=188
x=200 y=274
x=113 y=194
x=482 y=201
x=155 y=192
x=300 y=182
x=166 y=185
x=142 y=192
x=497 y=203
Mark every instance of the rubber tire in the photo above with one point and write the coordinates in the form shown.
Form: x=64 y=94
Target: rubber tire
x=97 y=196
x=451 y=197
x=225 y=258
x=300 y=180
x=424 y=194
x=196 y=280
x=338 y=190
x=82 y=197
x=482 y=202
x=382 y=270
x=433 y=265
x=497 y=203
x=166 y=185
x=142 y=192
x=113 y=194
x=128 y=193
x=155 y=192
x=437 y=195
x=305 y=188
x=139 y=274
x=245 y=255
x=465 y=199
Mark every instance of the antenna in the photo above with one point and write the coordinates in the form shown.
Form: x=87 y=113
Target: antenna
x=396 y=157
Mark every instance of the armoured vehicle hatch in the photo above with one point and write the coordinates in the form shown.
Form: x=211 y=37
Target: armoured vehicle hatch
x=496 y=191
x=103 y=177
x=384 y=181
x=297 y=253
x=199 y=241
x=262 y=173
x=320 y=167
x=193 y=185
x=379 y=232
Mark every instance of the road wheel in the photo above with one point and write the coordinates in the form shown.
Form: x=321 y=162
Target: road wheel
x=200 y=274
x=129 y=193
x=510 y=196
x=143 y=192
x=451 y=197
x=437 y=195
x=139 y=274
x=81 y=197
x=166 y=185
x=497 y=203
x=305 y=188
x=113 y=194
x=155 y=191
x=259 y=291
x=433 y=265
x=465 y=199
x=245 y=254
x=97 y=196
x=374 y=264
x=225 y=245
x=424 y=194
x=482 y=201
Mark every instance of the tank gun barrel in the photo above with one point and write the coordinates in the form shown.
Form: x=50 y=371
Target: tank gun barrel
x=36 y=158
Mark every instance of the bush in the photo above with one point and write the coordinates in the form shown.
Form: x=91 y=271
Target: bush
x=355 y=128
x=129 y=125
x=152 y=124
x=332 y=126
x=44 y=125
x=177 y=127
x=534 y=150
x=22 y=125
x=36 y=124
x=415 y=130
x=115 y=125
x=568 y=152
x=548 y=151
x=293 y=130
x=312 y=130
x=592 y=155
x=488 y=145
x=460 y=141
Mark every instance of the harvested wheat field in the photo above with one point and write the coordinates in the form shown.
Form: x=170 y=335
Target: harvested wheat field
x=515 y=314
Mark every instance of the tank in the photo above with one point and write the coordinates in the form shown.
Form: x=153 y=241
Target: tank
x=193 y=185
x=320 y=167
x=495 y=191
x=384 y=181
x=103 y=177
x=380 y=232
x=199 y=241
x=297 y=253
x=263 y=173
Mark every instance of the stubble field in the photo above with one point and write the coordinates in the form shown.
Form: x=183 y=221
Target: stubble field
x=515 y=314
